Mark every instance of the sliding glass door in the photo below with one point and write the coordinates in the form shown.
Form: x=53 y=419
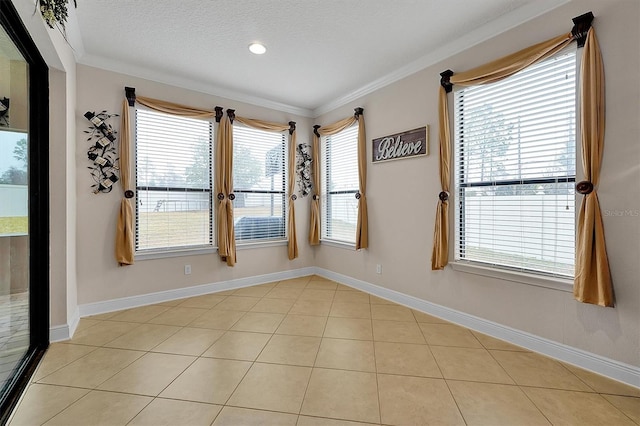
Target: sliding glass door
x=24 y=264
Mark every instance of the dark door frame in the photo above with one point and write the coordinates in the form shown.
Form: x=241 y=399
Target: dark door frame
x=38 y=207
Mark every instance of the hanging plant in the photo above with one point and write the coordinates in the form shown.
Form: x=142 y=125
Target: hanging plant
x=55 y=12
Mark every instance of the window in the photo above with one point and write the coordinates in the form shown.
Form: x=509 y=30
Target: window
x=259 y=184
x=515 y=158
x=340 y=184
x=173 y=182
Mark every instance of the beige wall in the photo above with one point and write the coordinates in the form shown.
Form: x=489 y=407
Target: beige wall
x=402 y=196
x=99 y=277
x=82 y=266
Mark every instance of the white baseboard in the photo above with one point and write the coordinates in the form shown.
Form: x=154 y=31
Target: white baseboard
x=180 y=293
x=64 y=332
x=59 y=333
x=616 y=370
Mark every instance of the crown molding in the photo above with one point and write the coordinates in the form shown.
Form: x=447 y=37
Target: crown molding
x=190 y=84
x=494 y=28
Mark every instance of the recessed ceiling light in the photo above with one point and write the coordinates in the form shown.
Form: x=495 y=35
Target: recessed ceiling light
x=257 y=48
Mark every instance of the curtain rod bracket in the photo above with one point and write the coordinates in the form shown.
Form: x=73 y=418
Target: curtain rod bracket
x=130 y=93
x=358 y=112
x=581 y=25
x=445 y=80
x=292 y=127
x=231 y=113
x=315 y=130
x=219 y=113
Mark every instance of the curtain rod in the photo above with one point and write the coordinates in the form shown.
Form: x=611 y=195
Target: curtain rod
x=581 y=25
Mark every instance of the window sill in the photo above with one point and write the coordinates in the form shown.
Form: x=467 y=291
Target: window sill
x=339 y=244
x=560 y=284
x=260 y=244
x=163 y=254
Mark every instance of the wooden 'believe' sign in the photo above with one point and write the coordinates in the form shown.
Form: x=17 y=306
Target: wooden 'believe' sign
x=407 y=144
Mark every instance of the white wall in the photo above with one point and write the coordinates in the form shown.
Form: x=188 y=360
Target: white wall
x=99 y=276
x=402 y=196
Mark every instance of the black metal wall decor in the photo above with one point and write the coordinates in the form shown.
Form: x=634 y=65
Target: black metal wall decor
x=4 y=112
x=303 y=168
x=102 y=151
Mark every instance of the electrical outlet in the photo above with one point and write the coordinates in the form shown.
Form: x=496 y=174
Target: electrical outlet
x=187 y=269
x=378 y=268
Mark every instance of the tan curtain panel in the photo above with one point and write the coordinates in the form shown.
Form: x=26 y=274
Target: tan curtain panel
x=487 y=73
x=292 y=244
x=224 y=187
x=593 y=277
x=125 y=240
x=173 y=108
x=314 y=224
x=362 y=227
x=440 y=253
x=362 y=236
x=511 y=64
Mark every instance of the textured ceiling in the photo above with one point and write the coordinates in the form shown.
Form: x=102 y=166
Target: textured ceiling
x=320 y=52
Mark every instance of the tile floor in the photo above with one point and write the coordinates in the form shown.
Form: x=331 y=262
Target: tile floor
x=304 y=352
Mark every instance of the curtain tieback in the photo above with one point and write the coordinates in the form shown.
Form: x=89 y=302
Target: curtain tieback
x=294 y=197
x=316 y=197
x=585 y=187
x=358 y=195
x=220 y=196
x=444 y=196
x=232 y=196
x=128 y=193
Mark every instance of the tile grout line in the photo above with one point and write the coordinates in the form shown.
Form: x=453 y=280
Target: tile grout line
x=444 y=379
x=251 y=366
x=375 y=362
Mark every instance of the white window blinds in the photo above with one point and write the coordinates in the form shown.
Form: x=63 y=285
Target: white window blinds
x=515 y=167
x=173 y=182
x=340 y=185
x=259 y=184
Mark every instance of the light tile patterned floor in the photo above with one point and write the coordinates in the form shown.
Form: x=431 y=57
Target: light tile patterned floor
x=306 y=352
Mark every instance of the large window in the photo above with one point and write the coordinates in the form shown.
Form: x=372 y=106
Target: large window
x=259 y=184
x=340 y=185
x=515 y=158
x=173 y=182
